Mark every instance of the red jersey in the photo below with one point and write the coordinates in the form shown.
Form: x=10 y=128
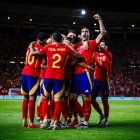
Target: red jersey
x=68 y=67
x=103 y=61
x=32 y=63
x=43 y=69
x=56 y=60
x=86 y=54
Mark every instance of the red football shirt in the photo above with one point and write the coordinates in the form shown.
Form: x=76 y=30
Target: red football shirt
x=103 y=62
x=32 y=63
x=68 y=67
x=42 y=73
x=56 y=60
x=86 y=54
x=43 y=70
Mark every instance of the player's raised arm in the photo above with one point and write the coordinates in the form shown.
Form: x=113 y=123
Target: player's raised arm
x=102 y=28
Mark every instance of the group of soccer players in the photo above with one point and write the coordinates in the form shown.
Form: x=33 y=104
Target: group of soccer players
x=61 y=71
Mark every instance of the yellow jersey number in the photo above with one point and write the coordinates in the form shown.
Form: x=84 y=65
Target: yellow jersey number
x=30 y=59
x=57 y=58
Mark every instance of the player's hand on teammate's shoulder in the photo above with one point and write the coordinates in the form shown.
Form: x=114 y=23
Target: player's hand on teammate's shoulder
x=66 y=42
x=31 y=44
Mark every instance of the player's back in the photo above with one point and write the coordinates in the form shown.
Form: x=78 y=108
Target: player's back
x=32 y=63
x=56 y=60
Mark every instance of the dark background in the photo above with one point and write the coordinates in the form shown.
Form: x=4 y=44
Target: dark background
x=104 y=5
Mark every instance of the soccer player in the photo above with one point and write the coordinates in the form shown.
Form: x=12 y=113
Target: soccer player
x=102 y=73
x=40 y=101
x=56 y=54
x=74 y=40
x=30 y=82
x=67 y=81
x=66 y=103
x=66 y=106
x=40 y=109
x=82 y=83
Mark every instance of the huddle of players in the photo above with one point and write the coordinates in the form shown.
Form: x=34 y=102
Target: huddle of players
x=66 y=65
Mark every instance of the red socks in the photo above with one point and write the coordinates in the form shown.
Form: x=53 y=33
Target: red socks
x=64 y=109
x=45 y=108
x=57 y=111
x=87 y=109
x=79 y=109
x=31 y=107
x=25 y=109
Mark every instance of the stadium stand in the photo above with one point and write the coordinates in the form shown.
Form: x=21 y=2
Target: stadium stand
x=17 y=33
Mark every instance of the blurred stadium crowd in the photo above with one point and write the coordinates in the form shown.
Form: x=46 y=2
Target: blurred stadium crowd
x=125 y=79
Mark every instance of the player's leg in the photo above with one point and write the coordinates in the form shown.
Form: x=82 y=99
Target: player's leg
x=95 y=104
x=46 y=97
x=86 y=87
x=76 y=107
x=25 y=110
x=58 y=88
x=32 y=101
x=65 y=103
x=39 y=110
x=25 y=92
x=76 y=110
x=105 y=95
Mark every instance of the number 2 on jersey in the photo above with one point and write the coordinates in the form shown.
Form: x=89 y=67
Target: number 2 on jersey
x=57 y=58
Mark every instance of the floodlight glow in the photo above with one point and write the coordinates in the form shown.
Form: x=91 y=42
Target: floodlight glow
x=96 y=30
x=83 y=12
x=133 y=25
x=74 y=22
x=12 y=62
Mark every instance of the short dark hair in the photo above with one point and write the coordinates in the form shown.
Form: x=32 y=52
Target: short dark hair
x=57 y=37
x=42 y=35
x=105 y=41
x=71 y=31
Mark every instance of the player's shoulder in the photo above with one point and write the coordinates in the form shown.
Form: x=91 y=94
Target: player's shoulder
x=92 y=42
x=97 y=53
x=37 y=46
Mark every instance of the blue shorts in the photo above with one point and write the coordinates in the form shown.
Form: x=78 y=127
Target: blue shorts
x=82 y=83
x=49 y=85
x=29 y=85
x=101 y=87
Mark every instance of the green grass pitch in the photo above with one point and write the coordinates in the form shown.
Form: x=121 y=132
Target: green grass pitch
x=124 y=124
